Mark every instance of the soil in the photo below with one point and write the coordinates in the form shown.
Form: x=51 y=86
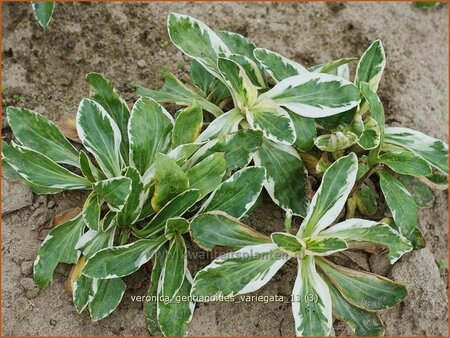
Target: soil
x=44 y=70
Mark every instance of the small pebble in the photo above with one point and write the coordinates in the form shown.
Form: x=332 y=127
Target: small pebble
x=141 y=63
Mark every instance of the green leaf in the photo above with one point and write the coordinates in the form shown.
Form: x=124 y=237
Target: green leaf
x=366 y=200
x=114 y=191
x=238 y=194
x=149 y=130
x=371 y=65
x=371 y=136
x=427 y=4
x=338 y=121
x=359 y=230
x=406 y=163
x=121 y=261
x=207 y=175
x=402 y=205
x=362 y=323
x=286 y=176
x=238 y=44
x=362 y=289
x=240 y=272
x=216 y=228
x=174 y=317
x=324 y=245
x=238 y=148
x=211 y=87
x=100 y=135
x=420 y=191
x=88 y=169
x=188 y=125
x=43 y=12
x=39 y=170
x=173 y=272
x=36 y=132
x=288 y=243
x=242 y=90
x=82 y=291
x=306 y=132
x=151 y=306
x=273 y=121
x=314 y=94
x=329 y=200
x=224 y=124
x=432 y=150
x=336 y=141
x=375 y=104
x=251 y=69
x=176 y=207
x=278 y=66
x=311 y=301
x=104 y=93
x=170 y=180
x=174 y=91
x=135 y=201
x=107 y=296
x=196 y=40
x=57 y=247
x=176 y=225
x=91 y=211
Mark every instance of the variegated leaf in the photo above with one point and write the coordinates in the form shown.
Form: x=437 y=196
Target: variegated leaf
x=374 y=104
x=242 y=90
x=176 y=226
x=175 y=265
x=329 y=200
x=432 y=150
x=135 y=201
x=174 y=317
x=366 y=200
x=420 y=191
x=107 y=295
x=288 y=243
x=305 y=130
x=188 y=125
x=278 y=66
x=93 y=241
x=371 y=65
x=402 y=205
x=240 y=272
x=149 y=131
x=251 y=69
x=100 y=135
x=36 y=132
x=324 y=245
x=238 y=194
x=336 y=141
x=360 y=230
x=174 y=91
x=88 y=169
x=314 y=94
x=286 y=176
x=212 y=88
x=114 y=191
x=207 y=174
x=363 y=289
x=41 y=171
x=222 y=125
x=273 y=121
x=362 y=323
x=91 y=211
x=216 y=228
x=121 y=261
x=371 y=136
x=334 y=67
x=239 y=44
x=176 y=207
x=104 y=93
x=170 y=180
x=196 y=40
x=82 y=292
x=57 y=247
x=43 y=12
x=311 y=301
x=406 y=163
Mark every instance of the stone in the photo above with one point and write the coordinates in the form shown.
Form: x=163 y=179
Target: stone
x=15 y=196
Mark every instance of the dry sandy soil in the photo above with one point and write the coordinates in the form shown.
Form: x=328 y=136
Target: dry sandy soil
x=44 y=69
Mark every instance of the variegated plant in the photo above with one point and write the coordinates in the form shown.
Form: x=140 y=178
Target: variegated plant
x=144 y=187
x=229 y=73
x=322 y=287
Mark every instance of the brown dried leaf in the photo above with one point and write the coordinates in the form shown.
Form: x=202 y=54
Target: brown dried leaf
x=67 y=125
x=74 y=274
